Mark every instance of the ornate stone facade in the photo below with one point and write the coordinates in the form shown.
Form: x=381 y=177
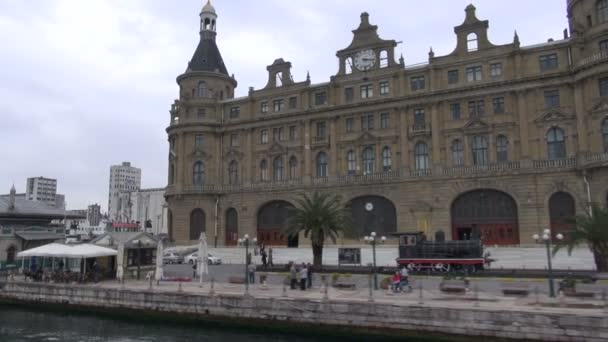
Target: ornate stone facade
x=498 y=140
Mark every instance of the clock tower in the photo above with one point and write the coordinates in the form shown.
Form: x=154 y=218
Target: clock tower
x=367 y=51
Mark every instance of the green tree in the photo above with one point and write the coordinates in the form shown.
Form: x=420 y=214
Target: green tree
x=590 y=229
x=320 y=216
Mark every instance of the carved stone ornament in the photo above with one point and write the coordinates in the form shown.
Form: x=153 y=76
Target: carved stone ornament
x=199 y=155
x=556 y=115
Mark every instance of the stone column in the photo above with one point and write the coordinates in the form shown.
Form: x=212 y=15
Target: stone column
x=468 y=158
x=306 y=141
x=435 y=135
x=333 y=148
x=581 y=124
x=523 y=125
x=180 y=163
x=404 y=139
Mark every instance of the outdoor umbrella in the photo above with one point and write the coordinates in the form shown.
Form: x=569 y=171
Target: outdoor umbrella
x=201 y=267
x=119 y=261
x=159 y=260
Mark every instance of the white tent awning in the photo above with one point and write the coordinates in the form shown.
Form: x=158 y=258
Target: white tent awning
x=58 y=250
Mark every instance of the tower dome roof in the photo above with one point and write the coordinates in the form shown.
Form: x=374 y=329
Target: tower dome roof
x=208 y=8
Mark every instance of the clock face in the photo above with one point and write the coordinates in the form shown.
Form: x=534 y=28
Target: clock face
x=369 y=206
x=365 y=59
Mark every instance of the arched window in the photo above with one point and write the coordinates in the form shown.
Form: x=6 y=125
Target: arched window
x=202 y=89
x=369 y=161
x=293 y=167
x=264 y=170
x=10 y=255
x=457 y=152
x=605 y=134
x=421 y=154
x=602 y=11
x=472 y=42
x=198 y=173
x=351 y=162
x=171 y=174
x=233 y=173
x=383 y=59
x=556 y=144
x=480 y=150
x=386 y=159
x=277 y=169
x=502 y=144
x=322 y=164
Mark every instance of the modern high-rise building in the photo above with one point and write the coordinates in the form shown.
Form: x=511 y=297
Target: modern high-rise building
x=123 y=177
x=497 y=140
x=94 y=214
x=41 y=189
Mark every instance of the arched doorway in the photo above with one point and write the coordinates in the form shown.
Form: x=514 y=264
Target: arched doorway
x=197 y=223
x=10 y=255
x=232 y=227
x=561 y=210
x=489 y=214
x=272 y=219
x=372 y=214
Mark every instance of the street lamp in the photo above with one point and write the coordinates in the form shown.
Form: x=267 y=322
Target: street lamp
x=373 y=240
x=244 y=241
x=546 y=238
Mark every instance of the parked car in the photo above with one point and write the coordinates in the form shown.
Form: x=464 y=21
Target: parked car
x=172 y=258
x=211 y=260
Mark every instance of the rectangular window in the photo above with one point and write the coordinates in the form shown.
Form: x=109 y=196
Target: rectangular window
x=349 y=125
x=293 y=102
x=349 y=95
x=235 y=112
x=264 y=136
x=419 y=119
x=499 y=105
x=367 y=91
x=417 y=83
x=200 y=113
x=278 y=105
x=384 y=120
x=474 y=73
x=321 y=130
x=548 y=62
x=292 y=133
x=552 y=98
x=603 y=86
x=367 y=122
x=384 y=88
x=604 y=46
x=452 y=76
x=496 y=70
x=198 y=140
x=320 y=98
x=476 y=108
x=264 y=107
x=234 y=140
x=455 y=111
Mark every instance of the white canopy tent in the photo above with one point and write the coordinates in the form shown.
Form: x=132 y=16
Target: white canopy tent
x=57 y=250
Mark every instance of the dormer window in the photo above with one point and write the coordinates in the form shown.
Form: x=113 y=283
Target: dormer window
x=472 y=42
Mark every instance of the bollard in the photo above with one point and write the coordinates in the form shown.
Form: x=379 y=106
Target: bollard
x=476 y=295
x=420 y=296
x=212 y=288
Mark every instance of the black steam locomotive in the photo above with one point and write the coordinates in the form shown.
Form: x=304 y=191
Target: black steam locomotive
x=418 y=254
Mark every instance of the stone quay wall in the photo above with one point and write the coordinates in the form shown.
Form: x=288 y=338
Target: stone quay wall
x=549 y=324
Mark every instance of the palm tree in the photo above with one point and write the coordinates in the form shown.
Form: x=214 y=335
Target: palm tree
x=320 y=217
x=591 y=229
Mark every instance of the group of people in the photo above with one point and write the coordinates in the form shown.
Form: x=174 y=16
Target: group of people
x=400 y=280
x=301 y=275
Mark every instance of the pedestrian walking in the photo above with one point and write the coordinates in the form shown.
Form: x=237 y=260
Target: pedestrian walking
x=293 y=275
x=270 y=257
x=193 y=270
x=303 y=277
x=309 y=276
x=251 y=271
x=264 y=257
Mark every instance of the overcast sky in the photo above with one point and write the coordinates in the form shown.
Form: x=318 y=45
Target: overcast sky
x=85 y=84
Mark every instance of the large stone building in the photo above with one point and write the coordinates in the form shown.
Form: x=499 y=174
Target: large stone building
x=503 y=140
x=123 y=178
